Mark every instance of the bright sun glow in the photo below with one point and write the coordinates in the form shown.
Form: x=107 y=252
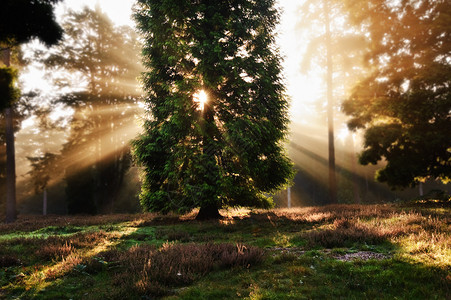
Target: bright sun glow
x=343 y=134
x=201 y=98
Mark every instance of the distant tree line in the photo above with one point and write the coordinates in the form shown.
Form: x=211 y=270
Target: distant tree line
x=96 y=155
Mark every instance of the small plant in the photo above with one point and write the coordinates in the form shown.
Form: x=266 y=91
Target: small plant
x=154 y=271
x=344 y=234
x=55 y=251
x=67 y=265
x=374 y=250
x=95 y=265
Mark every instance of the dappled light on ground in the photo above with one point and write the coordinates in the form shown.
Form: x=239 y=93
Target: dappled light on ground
x=276 y=248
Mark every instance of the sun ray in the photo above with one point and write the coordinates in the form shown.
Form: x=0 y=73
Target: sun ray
x=201 y=98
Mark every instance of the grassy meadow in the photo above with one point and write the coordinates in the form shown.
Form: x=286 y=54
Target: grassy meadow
x=331 y=252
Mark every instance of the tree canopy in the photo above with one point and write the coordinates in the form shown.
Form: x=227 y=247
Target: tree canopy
x=335 y=48
x=24 y=20
x=20 y=22
x=105 y=61
x=230 y=152
x=404 y=104
x=8 y=92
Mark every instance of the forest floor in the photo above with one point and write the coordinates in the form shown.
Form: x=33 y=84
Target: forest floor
x=330 y=252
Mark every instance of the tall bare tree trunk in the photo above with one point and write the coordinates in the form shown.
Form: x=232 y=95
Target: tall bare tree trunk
x=10 y=156
x=44 y=203
x=289 y=197
x=330 y=108
x=355 y=183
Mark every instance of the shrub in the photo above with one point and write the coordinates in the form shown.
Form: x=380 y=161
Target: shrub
x=57 y=251
x=153 y=272
x=95 y=265
x=111 y=255
x=345 y=233
x=87 y=239
x=67 y=265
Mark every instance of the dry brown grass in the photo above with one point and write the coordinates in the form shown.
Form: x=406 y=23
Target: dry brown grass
x=26 y=223
x=418 y=232
x=345 y=233
x=329 y=213
x=54 y=251
x=67 y=265
x=152 y=271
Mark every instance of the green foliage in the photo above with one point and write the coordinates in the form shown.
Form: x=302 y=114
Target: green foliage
x=20 y=22
x=231 y=152
x=8 y=92
x=23 y=20
x=42 y=168
x=97 y=153
x=390 y=251
x=404 y=104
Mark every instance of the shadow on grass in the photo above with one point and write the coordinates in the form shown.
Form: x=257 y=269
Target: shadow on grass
x=300 y=262
x=314 y=276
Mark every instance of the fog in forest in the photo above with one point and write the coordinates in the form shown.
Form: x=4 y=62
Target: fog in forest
x=81 y=106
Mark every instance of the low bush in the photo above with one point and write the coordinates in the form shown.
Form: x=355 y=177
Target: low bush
x=54 y=251
x=67 y=265
x=153 y=272
x=345 y=233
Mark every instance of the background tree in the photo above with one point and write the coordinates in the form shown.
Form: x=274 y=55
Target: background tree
x=21 y=109
x=42 y=169
x=20 y=21
x=336 y=48
x=229 y=150
x=404 y=105
x=2 y=164
x=43 y=143
x=105 y=60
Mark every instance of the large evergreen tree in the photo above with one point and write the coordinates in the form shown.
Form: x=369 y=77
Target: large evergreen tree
x=404 y=105
x=228 y=151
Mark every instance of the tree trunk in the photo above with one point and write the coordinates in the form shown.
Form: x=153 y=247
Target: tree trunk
x=289 y=197
x=10 y=168
x=44 y=203
x=209 y=207
x=330 y=109
x=10 y=157
x=355 y=178
x=208 y=213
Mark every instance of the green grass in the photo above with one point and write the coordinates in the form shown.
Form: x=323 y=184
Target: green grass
x=277 y=254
